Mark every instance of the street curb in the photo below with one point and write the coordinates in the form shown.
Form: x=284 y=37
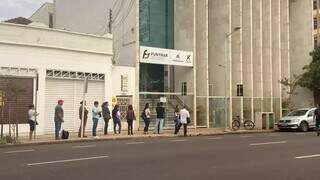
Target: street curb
x=131 y=138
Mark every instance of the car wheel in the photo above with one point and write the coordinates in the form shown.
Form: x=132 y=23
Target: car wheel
x=304 y=127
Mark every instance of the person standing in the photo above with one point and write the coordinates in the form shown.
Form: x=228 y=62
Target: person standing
x=176 y=116
x=95 y=118
x=316 y=117
x=106 y=116
x=85 y=118
x=58 y=118
x=184 y=116
x=160 y=118
x=32 y=114
x=130 y=118
x=146 y=114
x=116 y=115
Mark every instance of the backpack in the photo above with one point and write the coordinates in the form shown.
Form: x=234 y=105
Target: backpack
x=143 y=115
x=64 y=134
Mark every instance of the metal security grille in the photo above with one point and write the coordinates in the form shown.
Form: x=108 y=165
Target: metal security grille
x=124 y=102
x=60 y=74
x=16 y=96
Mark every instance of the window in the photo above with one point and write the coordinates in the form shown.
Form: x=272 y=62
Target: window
x=315 y=4
x=124 y=83
x=315 y=23
x=315 y=41
x=50 y=20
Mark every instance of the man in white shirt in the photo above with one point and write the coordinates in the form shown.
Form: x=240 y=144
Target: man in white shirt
x=184 y=115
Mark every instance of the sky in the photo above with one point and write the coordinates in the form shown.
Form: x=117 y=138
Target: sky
x=15 y=8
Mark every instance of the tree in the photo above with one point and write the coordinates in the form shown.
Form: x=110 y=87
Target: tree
x=311 y=76
x=291 y=85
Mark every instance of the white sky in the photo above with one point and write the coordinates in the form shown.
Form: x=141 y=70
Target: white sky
x=15 y=8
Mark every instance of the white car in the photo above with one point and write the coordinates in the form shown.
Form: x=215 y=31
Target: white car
x=301 y=119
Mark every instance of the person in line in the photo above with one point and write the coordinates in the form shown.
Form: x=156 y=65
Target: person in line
x=176 y=116
x=95 y=118
x=160 y=118
x=85 y=118
x=58 y=118
x=316 y=118
x=106 y=116
x=32 y=114
x=116 y=115
x=146 y=114
x=130 y=118
x=184 y=115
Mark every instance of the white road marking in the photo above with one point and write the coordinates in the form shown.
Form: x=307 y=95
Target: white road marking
x=131 y=143
x=268 y=143
x=67 y=160
x=309 y=156
x=274 y=135
x=19 y=151
x=246 y=136
x=179 y=140
x=300 y=133
x=85 y=146
x=215 y=138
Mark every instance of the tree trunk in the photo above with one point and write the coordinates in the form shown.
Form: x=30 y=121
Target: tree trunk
x=316 y=95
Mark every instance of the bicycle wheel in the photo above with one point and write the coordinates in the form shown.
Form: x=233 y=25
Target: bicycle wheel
x=235 y=125
x=248 y=125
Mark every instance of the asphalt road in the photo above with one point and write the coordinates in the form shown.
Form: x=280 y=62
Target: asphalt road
x=270 y=156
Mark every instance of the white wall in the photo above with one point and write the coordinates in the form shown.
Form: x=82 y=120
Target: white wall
x=19 y=48
x=117 y=71
x=42 y=14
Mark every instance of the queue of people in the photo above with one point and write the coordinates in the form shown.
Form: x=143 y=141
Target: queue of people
x=182 y=118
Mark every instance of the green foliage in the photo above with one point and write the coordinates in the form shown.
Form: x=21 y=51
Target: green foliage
x=311 y=76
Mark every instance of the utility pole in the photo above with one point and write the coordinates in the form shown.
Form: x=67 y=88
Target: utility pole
x=110 y=21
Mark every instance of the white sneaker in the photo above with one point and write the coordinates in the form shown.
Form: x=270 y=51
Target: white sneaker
x=96 y=137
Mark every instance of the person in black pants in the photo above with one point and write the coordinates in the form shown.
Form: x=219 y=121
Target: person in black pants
x=116 y=115
x=106 y=116
x=316 y=117
x=85 y=119
x=146 y=117
x=130 y=117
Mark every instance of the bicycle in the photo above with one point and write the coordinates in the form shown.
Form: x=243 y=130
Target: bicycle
x=247 y=124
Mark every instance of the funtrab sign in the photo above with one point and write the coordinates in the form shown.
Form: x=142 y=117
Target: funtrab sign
x=172 y=57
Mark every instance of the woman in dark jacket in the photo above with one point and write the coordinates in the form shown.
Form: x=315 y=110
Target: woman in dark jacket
x=106 y=116
x=116 y=116
x=130 y=117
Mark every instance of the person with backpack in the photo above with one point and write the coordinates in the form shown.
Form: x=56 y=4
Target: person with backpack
x=58 y=118
x=85 y=118
x=160 y=118
x=130 y=118
x=116 y=116
x=184 y=120
x=106 y=116
x=176 y=116
x=96 y=114
x=145 y=115
x=32 y=114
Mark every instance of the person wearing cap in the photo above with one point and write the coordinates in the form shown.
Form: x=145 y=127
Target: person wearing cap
x=58 y=118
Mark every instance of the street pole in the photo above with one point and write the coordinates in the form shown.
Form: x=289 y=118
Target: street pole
x=83 y=104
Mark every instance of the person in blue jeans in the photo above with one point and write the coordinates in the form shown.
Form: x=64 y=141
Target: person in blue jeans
x=58 y=118
x=95 y=118
x=116 y=116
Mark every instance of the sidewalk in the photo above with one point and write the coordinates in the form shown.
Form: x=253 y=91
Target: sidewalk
x=49 y=139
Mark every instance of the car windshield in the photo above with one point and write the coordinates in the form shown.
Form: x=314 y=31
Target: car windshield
x=298 y=113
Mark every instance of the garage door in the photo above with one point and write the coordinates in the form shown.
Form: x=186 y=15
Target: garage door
x=71 y=92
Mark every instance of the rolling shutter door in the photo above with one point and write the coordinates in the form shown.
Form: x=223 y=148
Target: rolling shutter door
x=71 y=92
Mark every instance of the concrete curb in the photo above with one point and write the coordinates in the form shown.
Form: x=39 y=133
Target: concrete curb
x=132 y=138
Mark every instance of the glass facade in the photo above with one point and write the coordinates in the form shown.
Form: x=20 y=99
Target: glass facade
x=156 y=30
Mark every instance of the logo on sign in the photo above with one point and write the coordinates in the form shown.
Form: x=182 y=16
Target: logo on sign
x=145 y=55
x=188 y=58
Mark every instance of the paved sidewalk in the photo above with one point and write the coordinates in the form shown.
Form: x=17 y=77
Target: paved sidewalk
x=49 y=139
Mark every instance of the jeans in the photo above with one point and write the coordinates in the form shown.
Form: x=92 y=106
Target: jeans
x=106 y=125
x=159 y=126
x=115 y=123
x=57 y=128
x=185 y=127
x=94 y=127
x=147 y=123
x=130 y=126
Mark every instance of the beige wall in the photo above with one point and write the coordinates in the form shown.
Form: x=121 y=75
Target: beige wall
x=42 y=14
